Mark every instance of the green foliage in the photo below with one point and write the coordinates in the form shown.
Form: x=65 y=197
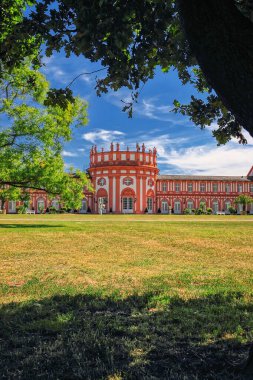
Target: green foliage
x=244 y=200
x=8 y=193
x=21 y=209
x=31 y=142
x=209 y=211
x=187 y=211
x=232 y=210
x=53 y=210
x=141 y=35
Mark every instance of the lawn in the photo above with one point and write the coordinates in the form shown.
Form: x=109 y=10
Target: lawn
x=125 y=297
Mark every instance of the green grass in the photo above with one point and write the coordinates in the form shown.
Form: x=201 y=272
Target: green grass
x=125 y=297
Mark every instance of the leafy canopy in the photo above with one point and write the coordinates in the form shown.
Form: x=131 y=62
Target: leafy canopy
x=208 y=43
x=32 y=135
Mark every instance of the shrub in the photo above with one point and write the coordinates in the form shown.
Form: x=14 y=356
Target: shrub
x=88 y=209
x=159 y=211
x=200 y=211
x=232 y=210
x=146 y=210
x=187 y=211
x=52 y=210
x=209 y=211
x=21 y=209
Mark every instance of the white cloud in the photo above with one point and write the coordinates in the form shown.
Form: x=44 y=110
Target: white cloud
x=81 y=150
x=102 y=135
x=66 y=153
x=208 y=160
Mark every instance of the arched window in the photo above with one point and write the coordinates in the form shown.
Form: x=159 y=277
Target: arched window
x=165 y=207
x=83 y=209
x=40 y=205
x=227 y=204
x=190 y=204
x=215 y=206
x=177 y=207
x=12 y=207
x=55 y=203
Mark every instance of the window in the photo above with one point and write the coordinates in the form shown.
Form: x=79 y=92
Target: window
x=190 y=187
x=239 y=188
x=177 y=207
x=227 y=205
x=164 y=207
x=150 y=204
x=227 y=188
x=102 y=202
x=251 y=188
x=12 y=206
x=177 y=187
x=202 y=187
x=84 y=206
x=215 y=188
x=215 y=206
x=190 y=205
x=164 y=186
x=150 y=182
x=128 y=181
x=41 y=205
x=55 y=204
x=127 y=203
x=202 y=204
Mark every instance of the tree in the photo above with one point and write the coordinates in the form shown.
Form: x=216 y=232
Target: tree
x=9 y=193
x=32 y=137
x=209 y=43
x=243 y=200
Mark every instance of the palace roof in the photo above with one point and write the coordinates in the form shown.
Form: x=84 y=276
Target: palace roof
x=204 y=178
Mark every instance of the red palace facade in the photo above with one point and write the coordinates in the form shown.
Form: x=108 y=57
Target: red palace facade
x=128 y=181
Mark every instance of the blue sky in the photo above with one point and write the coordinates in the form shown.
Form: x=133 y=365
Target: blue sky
x=182 y=147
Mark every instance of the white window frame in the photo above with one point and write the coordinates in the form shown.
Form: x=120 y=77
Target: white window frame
x=164 y=207
x=177 y=207
x=11 y=209
x=150 y=204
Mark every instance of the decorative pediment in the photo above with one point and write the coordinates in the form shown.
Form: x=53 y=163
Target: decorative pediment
x=250 y=173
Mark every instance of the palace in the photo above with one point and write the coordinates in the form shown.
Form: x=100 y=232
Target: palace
x=128 y=181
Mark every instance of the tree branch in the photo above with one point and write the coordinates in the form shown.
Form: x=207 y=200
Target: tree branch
x=79 y=75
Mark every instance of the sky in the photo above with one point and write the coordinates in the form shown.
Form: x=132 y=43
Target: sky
x=183 y=148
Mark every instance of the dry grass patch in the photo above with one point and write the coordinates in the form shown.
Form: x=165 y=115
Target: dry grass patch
x=118 y=298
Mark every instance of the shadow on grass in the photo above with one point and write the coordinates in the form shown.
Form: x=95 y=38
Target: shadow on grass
x=18 y=225
x=91 y=337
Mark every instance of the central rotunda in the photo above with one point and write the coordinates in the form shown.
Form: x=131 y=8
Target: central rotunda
x=124 y=180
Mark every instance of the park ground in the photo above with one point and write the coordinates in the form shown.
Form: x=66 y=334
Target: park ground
x=125 y=297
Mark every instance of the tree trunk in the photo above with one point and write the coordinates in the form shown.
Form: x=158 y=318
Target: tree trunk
x=221 y=39
x=248 y=368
